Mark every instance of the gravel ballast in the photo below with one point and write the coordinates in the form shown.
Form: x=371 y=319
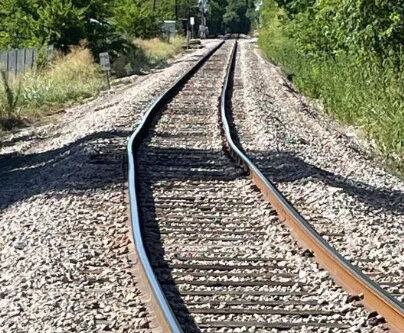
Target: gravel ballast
x=65 y=249
x=224 y=260
x=321 y=168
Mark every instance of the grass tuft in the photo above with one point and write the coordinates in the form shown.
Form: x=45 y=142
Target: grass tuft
x=69 y=78
x=66 y=80
x=158 y=51
x=9 y=96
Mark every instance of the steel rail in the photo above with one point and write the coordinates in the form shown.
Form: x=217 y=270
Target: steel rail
x=343 y=272
x=161 y=307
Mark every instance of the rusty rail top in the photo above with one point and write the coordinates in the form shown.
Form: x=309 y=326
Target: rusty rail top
x=164 y=313
x=344 y=273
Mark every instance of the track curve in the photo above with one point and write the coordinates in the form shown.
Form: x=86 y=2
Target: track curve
x=346 y=274
x=207 y=266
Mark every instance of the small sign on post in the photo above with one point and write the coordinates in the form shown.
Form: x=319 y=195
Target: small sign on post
x=106 y=66
x=192 y=23
x=188 y=38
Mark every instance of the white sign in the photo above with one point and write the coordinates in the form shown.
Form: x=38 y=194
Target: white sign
x=192 y=20
x=104 y=61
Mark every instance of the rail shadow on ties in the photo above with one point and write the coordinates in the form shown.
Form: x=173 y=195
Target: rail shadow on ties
x=176 y=165
x=287 y=167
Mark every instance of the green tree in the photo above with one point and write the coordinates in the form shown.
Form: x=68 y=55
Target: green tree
x=18 y=23
x=58 y=22
x=215 y=20
x=348 y=53
x=136 y=18
x=366 y=28
x=236 y=17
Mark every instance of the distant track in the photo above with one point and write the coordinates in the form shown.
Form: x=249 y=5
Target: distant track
x=200 y=227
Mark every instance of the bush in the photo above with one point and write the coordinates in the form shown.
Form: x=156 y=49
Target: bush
x=238 y=17
x=135 y=18
x=361 y=86
x=64 y=23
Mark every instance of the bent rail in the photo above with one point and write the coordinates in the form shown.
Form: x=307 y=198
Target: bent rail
x=161 y=307
x=343 y=272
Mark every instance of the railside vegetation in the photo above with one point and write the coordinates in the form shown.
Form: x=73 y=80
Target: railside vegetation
x=157 y=51
x=69 y=79
x=99 y=25
x=350 y=55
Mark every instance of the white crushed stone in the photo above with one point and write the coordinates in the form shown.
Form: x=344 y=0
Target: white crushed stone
x=65 y=248
x=321 y=168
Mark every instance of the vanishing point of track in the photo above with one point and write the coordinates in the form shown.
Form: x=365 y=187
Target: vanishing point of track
x=210 y=249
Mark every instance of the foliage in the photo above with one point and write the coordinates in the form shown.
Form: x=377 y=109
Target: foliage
x=158 y=51
x=136 y=19
x=146 y=54
x=347 y=53
x=64 y=23
x=167 y=9
x=18 y=24
x=71 y=78
x=215 y=22
x=237 y=16
x=369 y=29
x=58 y=22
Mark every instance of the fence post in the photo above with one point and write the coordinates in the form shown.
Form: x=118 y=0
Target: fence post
x=20 y=63
x=15 y=61
x=34 y=59
x=3 y=61
x=12 y=62
x=28 y=60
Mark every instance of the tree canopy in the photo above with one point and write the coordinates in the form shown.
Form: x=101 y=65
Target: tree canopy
x=368 y=28
x=239 y=16
x=67 y=22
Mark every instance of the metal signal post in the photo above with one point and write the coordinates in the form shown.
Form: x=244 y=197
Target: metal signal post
x=204 y=8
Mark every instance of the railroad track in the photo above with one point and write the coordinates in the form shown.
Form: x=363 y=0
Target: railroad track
x=380 y=258
x=214 y=254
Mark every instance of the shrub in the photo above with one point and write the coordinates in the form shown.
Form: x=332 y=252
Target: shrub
x=69 y=78
x=337 y=59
